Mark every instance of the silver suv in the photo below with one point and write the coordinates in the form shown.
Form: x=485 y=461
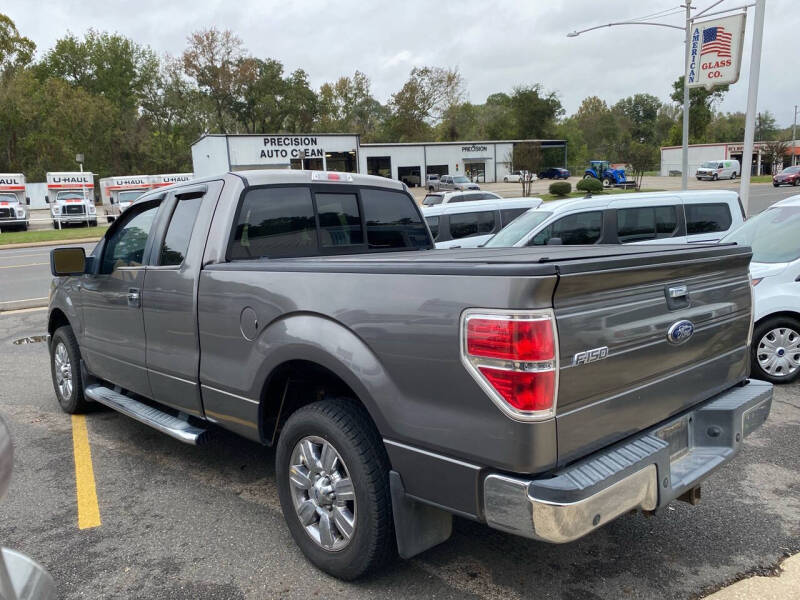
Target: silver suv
x=456 y=182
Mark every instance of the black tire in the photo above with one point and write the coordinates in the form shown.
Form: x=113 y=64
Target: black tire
x=345 y=425
x=775 y=184
x=796 y=181
x=760 y=331
x=714 y=177
x=733 y=175
x=606 y=182
x=75 y=402
x=93 y=223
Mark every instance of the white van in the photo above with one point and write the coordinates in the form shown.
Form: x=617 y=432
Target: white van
x=118 y=193
x=640 y=218
x=469 y=224
x=13 y=202
x=719 y=169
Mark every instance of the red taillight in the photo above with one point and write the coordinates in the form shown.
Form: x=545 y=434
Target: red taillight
x=510 y=340
x=333 y=176
x=512 y=355
x=524 y=390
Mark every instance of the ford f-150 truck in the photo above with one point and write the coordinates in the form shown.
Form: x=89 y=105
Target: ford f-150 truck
x=542 y=391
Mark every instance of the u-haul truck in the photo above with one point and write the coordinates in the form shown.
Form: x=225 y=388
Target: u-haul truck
x=118 y=193
x=13 y=202
x=157 y=181
x=71 y=198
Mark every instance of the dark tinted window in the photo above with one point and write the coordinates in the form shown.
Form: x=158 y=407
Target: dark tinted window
x=468 y=224
x=433 y=199
x=393 y=220
x=707 y=218
x=580 y=228
x=433 y=224
x=509 y=214
x=339 y=220
x=179 y=232
x=275 y=222
x=125 y=248
x=646 y=223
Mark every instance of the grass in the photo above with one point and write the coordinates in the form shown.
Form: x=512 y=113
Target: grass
x=579 y=194
x=51 y=235
x=761 y=179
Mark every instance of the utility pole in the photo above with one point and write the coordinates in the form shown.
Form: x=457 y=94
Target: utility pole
x=794 y=136
x=687 y=59
x=752 y=101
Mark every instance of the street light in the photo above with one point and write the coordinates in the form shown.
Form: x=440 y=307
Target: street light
x=688 y=30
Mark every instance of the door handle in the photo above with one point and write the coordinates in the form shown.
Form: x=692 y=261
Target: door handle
x=134 y=298
x=678 y=291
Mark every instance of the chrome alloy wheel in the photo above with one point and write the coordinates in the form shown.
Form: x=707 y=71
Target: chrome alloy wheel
x=778 y=352
x=63 y=371
x=322 y=493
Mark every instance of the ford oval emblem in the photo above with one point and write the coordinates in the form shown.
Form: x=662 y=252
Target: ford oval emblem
x=680 y=332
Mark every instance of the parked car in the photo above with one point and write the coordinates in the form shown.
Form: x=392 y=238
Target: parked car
x=789 y=176
x=775 y=269
x=543 y=391
x=719 y=169
x=470 y=224
x=554 y=173
x=448 y=197
x=432 y=182
x=456 y=182
x=642 y=218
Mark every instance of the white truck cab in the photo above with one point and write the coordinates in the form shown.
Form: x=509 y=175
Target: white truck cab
x=70 y=195
x=118 y=193
x=13 y=202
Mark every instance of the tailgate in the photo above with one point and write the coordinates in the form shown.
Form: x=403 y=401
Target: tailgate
x=619 y=373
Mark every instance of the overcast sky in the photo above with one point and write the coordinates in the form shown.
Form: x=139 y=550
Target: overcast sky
x=496 y=44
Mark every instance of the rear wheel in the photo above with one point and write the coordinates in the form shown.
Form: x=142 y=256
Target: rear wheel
x=65 y=360
x=505 y=179
x=776 y=350
x=606 y=182
x=733 y=175
x=332 y=474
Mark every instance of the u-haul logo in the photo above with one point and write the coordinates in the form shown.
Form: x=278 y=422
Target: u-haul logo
x=71 y=179
x=10 y=181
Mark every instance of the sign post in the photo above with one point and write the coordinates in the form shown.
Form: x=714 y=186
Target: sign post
x=752 y=98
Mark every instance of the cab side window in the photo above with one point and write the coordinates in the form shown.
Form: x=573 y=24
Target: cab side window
x=707 y=218
x=580 y=228
x=125 y=247
x=179 y=232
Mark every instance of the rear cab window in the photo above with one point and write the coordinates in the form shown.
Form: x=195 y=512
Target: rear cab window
x=707 y=218
x=293 y=221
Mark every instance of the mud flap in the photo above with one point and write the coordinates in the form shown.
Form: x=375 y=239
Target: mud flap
x=417 y=526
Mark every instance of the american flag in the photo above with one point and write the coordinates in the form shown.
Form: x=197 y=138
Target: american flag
x=717 y=41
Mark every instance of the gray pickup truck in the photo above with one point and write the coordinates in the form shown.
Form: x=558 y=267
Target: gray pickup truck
x=542 y=391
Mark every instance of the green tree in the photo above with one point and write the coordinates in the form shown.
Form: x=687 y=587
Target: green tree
x=15 y=50
x=701 y=111
x=641 y=157
x=727 y=127
x=347 y=105
x=641 y=110
x=766 y=127
x=534 y=111
x=299 y=103
x=423 y=101
x=260 y=107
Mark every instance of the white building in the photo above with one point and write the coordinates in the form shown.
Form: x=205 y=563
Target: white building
x=671 y=157
x=483 y=161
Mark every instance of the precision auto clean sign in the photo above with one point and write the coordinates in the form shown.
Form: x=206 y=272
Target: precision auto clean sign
x=280 y=150
x=715 y=53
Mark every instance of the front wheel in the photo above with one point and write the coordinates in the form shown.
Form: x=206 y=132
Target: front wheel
x=65 y=360
x=775 y=184
x=714 y=177
x=332 y=475
x=606 y=182
x=776 y=350
x=505 y=179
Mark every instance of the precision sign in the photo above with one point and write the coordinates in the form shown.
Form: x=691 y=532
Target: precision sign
x=715 y=54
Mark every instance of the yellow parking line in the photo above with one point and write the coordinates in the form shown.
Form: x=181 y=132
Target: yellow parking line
x=88 y=510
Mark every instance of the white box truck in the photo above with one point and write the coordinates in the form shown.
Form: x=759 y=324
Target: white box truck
x=13 y=202
x=118 y=193
x=71 y=198
x=169 y=178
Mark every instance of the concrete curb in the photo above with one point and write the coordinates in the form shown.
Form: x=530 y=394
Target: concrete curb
x=49 y=243
x=785 y=586
x=13 y=305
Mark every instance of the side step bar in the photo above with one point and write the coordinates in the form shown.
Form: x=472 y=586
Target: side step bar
x=164 y=422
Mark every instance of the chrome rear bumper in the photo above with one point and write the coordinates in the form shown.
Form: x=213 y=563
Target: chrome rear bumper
x=643 y=472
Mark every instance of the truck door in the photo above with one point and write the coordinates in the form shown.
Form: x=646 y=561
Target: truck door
x=114 y=340
x=169 y=298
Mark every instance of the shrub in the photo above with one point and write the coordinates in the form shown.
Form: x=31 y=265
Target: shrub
x=590 y=184
x=560 y=188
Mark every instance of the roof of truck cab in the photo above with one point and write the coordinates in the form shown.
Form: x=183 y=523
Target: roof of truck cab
x=295 y=176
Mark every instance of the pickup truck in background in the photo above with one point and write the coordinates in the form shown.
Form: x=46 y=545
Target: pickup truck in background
x=541 y=391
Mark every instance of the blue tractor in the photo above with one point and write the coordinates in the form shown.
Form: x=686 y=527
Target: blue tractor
x=601 y=170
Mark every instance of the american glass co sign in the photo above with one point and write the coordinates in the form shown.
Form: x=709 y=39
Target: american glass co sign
x=715 y=55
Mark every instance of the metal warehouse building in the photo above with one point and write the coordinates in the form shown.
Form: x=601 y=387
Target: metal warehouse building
x=483 y=161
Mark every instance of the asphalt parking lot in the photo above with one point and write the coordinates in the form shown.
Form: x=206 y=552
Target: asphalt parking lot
x=184 y=522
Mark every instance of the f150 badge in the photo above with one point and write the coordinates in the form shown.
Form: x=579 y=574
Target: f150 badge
x=680 y=332
x=589 y=356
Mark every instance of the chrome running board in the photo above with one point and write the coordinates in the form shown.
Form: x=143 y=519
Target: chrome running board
x=164 y=422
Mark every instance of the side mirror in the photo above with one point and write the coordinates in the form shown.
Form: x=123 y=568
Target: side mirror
x=27 y=201
x=67 y=261
x=46 y=200
x=553 y=241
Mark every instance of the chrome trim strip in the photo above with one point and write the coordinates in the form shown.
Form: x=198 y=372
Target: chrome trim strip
x=433 y=455
x=231 y=394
